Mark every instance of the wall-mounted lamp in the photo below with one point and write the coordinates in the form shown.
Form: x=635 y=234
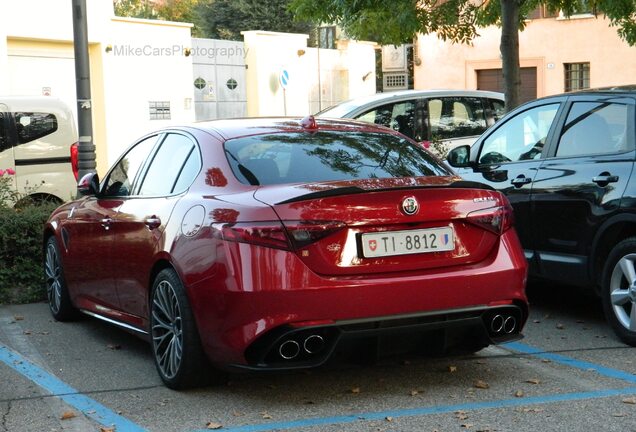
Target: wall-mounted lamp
x=108 y=49
x=300 y=52
x=366 y=75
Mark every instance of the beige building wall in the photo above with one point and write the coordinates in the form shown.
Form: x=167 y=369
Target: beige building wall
x=545 y=44
x=37 y=57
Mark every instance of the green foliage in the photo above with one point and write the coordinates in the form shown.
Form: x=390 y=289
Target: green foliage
x=135 y=9
x=225 y=19
x=400 y=21
x=21 y=274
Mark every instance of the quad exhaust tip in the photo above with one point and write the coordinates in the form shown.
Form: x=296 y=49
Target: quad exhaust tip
x=290 y=349
x=503 y=324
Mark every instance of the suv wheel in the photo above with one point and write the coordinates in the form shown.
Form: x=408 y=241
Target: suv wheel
x=619 y=290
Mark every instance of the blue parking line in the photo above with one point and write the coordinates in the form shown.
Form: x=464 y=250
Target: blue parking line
x=53 y=385
x=579 y=364
x=444 y=409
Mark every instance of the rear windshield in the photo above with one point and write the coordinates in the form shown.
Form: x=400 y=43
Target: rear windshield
x=302 y=157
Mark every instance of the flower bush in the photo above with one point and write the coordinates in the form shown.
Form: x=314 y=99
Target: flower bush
x=21 y=274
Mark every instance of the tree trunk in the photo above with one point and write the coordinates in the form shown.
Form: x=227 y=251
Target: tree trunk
x=510 y=52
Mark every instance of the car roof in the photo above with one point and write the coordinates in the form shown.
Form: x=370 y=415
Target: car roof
x=240 y=127
x=34 y=103
x=344 y=108
x=621 y=89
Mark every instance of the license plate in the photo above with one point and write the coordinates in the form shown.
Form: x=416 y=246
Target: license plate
x=387 y=243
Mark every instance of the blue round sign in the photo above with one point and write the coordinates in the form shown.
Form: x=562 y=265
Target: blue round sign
x=284 y=78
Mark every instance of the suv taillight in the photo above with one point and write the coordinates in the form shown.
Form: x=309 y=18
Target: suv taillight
x=75 y=160
x=496 y=219
x=287 y=235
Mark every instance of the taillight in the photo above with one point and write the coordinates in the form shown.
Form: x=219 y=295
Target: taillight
x=287 y=235
x=496 y=219
x=269 y=234
x=75 y=160
x=304 y=233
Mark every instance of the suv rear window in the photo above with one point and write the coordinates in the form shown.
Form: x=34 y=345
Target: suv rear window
x=34 y=125
x=327 y=156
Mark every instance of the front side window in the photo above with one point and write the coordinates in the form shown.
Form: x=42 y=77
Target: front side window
x=166 y=165
x=521 y=137
x=595 y=128
x=121 y=178
x=397 y=116
x=456 y=117
x=30 y=126
x=327 y=156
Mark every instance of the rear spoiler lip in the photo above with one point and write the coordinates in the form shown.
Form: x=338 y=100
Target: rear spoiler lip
x=351 y=190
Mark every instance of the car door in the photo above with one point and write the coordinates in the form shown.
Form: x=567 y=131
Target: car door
x=452 y=121
x=142 y=219
x=508 y=157
x=90 y=234
x=581 y=183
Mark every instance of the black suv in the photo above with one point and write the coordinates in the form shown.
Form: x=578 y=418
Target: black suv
x=566 y=162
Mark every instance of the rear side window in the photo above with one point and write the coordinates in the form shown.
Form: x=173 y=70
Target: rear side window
x=166 y=165
x=30 y=126
x=327 y=156
x=595 y=128
x=456 y=117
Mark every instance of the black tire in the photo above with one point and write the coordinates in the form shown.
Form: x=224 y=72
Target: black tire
x=176 y=344
x=619 y=290
x=57 y=294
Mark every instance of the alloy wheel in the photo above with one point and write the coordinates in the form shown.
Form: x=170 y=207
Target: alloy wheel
x=167 y=331
x=623 y=292
x=53 y=272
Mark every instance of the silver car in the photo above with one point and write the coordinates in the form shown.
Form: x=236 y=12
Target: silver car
x=442 y=118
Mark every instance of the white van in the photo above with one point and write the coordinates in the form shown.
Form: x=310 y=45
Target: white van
x=38 y=140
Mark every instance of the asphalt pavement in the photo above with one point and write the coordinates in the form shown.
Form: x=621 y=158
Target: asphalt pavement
x=569 y=373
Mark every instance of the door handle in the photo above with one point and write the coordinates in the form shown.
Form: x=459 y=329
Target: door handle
x=152 y=222
x=604 y=179
x=106 y=223
x=520 y=181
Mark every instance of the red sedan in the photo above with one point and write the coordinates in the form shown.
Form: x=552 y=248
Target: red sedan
x=275 y=243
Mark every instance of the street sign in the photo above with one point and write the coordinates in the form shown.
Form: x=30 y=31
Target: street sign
x=283 y=78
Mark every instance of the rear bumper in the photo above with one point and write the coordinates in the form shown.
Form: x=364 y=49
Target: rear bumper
x=295 y=347
x=245 y=312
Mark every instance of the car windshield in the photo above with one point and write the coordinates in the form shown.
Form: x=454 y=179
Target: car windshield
x=300 y=157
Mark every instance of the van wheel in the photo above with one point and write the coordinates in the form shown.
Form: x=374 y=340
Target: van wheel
x=176 y=345
x=56 y=289
x=619 y=290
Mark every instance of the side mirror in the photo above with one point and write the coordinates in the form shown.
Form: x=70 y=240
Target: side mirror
x=88 y=185
x=459 y=157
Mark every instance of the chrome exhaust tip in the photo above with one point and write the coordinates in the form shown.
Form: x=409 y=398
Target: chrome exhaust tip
x=289 y=349
x=497 y=324
x=313 y=344
x=510 y=325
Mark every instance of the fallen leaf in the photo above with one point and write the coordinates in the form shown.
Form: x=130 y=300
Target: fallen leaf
x=389 y=419
x=213 y=425
x=67 y=415
x=630 y=400
x=546 y=361
x=355 y=390
x=481 y=362
x=237 y=413
x=266 y=415
x=481 y=384
x=452 y=369
x=414 y=392
x=533 y=381
x=560 y=326
x=461 y=415
x=536 y=321
x=519 y=393
x=27 y=332
x=619 y=415
x=107 y=429
x=534 y=410
x=113 y=347
x=18 y=317
x=467 y=425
